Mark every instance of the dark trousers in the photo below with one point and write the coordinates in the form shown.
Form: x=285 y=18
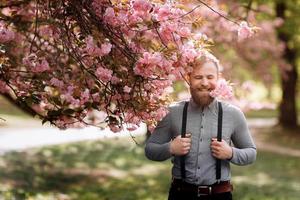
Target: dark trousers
x=177 y=194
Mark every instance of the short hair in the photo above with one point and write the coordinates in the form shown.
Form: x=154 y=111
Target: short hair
x=207 y=57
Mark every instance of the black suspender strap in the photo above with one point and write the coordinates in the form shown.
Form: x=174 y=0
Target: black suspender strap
x=183 y=130
x=219 y=138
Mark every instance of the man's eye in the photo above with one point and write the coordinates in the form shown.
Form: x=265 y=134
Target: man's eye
x=198 y=77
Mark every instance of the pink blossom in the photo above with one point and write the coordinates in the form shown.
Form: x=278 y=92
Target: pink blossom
x=141 y=5
x=189 y=53
x=167 y=29
x=3 y=87
x=41 y=66
x=105 y=48
x=85 y=96
x=223 y=90
x=93 y=50
x=46 y=31
x=68 y=97
x=57 y=83
x=160 y=113
x=131 y=127
x=115 y=80
x=6 y=35
x=151 y=59
x=163 y=13
x=127 y=89
x=184 y=32
x=141 y=8
x=278 y=22
x=148 y=64
x=104 y=74
x=200 y=36
x=110 y=17
x=36 y=64
x=244 y=31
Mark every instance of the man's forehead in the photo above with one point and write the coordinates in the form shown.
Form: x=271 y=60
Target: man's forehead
x=207 y=66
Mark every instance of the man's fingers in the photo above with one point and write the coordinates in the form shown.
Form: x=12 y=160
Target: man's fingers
x=186 y=139
x=186 y=148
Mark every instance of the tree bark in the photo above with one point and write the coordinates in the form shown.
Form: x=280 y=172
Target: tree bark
x=288 y=110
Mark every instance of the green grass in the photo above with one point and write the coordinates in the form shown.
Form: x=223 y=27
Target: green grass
x=280 y=136
x=263 y=113
x=117 y=170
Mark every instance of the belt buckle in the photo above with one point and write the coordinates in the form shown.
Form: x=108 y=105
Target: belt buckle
x=204 y=187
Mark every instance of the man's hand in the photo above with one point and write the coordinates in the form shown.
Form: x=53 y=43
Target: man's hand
x=221 y=150
x=181 y=146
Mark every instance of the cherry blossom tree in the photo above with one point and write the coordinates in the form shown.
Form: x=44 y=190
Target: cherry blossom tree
x=93 y=62
x=273 y=46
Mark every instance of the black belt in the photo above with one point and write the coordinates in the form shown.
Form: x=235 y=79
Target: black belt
x=221 y=187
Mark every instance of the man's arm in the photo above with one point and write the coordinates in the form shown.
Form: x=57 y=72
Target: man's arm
x=158 y=145
x=244 y=150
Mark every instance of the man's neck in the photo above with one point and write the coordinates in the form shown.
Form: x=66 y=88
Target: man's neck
x=201 y=105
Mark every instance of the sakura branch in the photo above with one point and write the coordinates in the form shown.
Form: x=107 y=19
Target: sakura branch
x=68 y=59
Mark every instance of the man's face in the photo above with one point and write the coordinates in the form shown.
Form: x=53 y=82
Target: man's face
x=203 y=79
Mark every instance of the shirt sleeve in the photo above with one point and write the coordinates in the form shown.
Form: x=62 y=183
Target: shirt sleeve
x=158 y=145
x=244 y=150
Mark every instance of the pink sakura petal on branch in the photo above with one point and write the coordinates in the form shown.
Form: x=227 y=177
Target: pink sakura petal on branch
x=6 y=35
x=104 y=74
x=163 y=13
x=223 y=90
x=244 y=31
x=127 y=89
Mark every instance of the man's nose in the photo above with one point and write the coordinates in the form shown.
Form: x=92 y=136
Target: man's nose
x=204 y=82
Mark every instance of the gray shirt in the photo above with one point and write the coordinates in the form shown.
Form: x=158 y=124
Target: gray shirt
x=202 y=124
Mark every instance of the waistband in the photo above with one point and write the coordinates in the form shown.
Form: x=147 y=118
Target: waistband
x=221 y=187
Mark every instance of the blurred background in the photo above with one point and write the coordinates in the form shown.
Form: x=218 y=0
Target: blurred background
x=41 y=162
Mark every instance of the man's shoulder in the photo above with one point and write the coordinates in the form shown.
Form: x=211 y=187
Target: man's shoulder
x=231 y=108
x=176 y=106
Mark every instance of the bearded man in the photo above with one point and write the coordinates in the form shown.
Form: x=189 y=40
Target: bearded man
x=197 y=135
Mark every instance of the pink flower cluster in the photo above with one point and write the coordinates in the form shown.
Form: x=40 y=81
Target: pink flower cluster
x=223 y=90
x=93 y=50
x=6 y=35
x=119 y=57
x=35 y=64
x=104 y=74
x=244 y=31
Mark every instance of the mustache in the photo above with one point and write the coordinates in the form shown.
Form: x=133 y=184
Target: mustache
x=203 y=89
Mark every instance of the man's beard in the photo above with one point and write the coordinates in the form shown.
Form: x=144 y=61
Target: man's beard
x=201 y=97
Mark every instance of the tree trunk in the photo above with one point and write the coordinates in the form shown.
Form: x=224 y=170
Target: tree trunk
x=288 y=110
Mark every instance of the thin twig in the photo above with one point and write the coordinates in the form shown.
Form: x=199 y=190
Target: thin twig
x=36 y=25
x=221 y=15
